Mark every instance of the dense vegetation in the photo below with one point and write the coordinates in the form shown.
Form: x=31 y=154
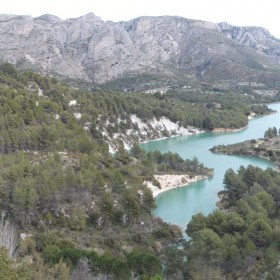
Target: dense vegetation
x=242 y=240
x=146 y=106
x=267 y=147
x=228 y=98
x=36 y=111
x=81 y=209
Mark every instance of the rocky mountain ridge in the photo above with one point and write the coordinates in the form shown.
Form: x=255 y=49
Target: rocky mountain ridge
x=144 y=49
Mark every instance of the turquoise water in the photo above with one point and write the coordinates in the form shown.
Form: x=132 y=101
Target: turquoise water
x=177 y=206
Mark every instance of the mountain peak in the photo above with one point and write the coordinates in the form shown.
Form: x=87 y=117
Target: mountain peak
x=49 y=18
x=91 y=17
x=161 y=49
x=7 y=17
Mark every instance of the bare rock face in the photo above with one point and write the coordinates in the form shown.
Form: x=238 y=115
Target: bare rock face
x=257 y=38
x=173 y=47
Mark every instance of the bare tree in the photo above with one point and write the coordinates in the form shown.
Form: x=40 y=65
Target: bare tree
x=83 y=271
x=9 y=238
x=102 y=277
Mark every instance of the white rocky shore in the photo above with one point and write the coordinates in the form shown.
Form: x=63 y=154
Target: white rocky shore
x=171 y=181
x=145 y=131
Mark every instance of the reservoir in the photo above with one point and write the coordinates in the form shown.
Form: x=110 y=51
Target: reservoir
x=177 y=206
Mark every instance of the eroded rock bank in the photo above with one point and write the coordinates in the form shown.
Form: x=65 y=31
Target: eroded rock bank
x=172 y=181
x=140 y=131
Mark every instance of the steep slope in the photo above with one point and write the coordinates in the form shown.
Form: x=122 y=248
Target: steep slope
x=142 y=50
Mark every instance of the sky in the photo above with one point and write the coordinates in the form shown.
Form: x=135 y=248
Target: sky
x=236 y=12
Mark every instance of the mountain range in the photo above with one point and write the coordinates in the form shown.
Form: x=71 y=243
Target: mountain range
x=143 y=52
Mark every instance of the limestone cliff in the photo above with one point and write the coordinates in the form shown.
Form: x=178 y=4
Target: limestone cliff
x=151 y=48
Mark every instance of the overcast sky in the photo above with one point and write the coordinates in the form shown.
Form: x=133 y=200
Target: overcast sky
x=237 y=12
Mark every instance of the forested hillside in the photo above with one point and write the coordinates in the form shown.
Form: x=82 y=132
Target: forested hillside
x=79 y=210
x=29 y=99
x=241 y=241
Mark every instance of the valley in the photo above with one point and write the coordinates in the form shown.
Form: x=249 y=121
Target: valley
x=105 y=131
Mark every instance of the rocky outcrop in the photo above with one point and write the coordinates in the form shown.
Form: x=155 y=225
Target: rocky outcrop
x=152 y=48
x=257 y=38
x=172 y=181
x=142 y=131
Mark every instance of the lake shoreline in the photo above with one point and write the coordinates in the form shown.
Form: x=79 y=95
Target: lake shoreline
x=193 y=132
x=178 y=206
x=252 y=148
x=250 y=117
x=217 y=129
x=221 y=129
x=171 y=181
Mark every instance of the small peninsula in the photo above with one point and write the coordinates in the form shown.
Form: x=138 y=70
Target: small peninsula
x=172 y=181
x=267 y=147
x=170 y=170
